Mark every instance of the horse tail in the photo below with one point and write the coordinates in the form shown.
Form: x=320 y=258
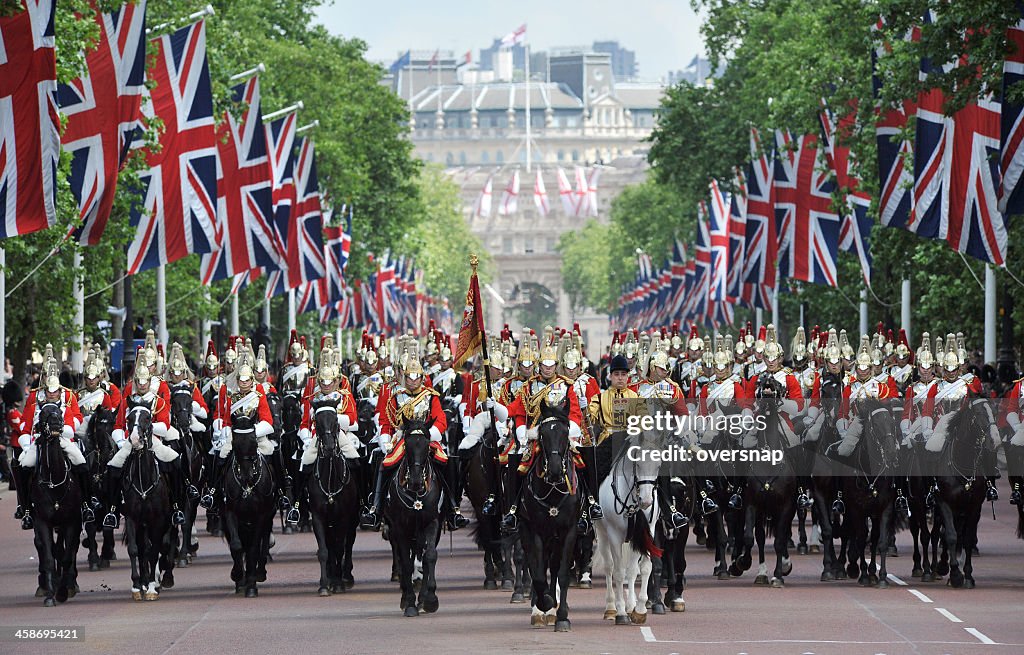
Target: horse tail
x=900 y=521
x=639 y=536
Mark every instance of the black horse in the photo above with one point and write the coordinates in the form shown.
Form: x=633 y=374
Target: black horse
x=146 y=509
x=960 y=484
x=291 y=418
x=99 y=448
x=334 y=502
x=769 y=496
x=249 y=507
x=869 y=489
x=481 y=477
x=191 y=459
x=56 y=499
x=412 y=510
x=1015 y=473
x=670 y=568
x=926 y=534
x=550 y=508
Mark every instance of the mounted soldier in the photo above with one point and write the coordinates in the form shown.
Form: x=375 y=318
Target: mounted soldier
x=902 y=370
x=210 y=380
x=50 y=392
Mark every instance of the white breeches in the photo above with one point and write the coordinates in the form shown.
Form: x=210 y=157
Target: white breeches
x=163 y=452
x=264 y=446
x=477 y=426
x=74 y=453
x=346 y=440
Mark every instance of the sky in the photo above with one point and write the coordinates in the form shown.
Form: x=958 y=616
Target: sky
x=663 y=33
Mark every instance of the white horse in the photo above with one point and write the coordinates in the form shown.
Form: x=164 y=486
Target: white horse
x=624 y=544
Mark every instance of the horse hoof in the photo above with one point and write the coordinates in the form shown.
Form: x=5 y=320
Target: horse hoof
x=261 y=576
x=62 y=595
x=136 y=595
x=621 y=619
x=338 y=588
x=636 y=618
x=347 y=581
x=745 y=562
x=239 y=588
x=841 y=575
x=537 y=620
x=777 y=583
x=411 y=612
x=288 y=530
x=864 y=581
x=490 y=585
x=678 y=606
x=891 y=552
x=104 y=564
x=323 y=592
x=40 y=592
x=883 y=584
x=873 y=579
x=182 y=563
x=802 y=549
x=852 y=570
x=430 y=606
x=815 y=548
x=252 y=592
x=586 y=584
x=724 y=575
x=761 y=580
x=917 y=572
x=928 y=577
x=49 y=602
x=517 y=598
x=942 y=569
x=826 y=576
x=94 y=566
x=168 y=581
x=563 y=626
x=151 y=595
x=609 y=615
x=968 y=583
x=395 y=577
x=507 y=585
x=734 y=570
x=701 y=540
x=658 y=608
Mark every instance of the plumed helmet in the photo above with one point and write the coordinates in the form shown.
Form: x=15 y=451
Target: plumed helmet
x=951 y=360
x=93 y=366
x=149 y=352
x=176 y=363
x=772 y=348
x=844 y=346
x=659 y=359
x=51 y=378
x=925 y=358
x=864 y=360
x=902 y=349
x=723 y=354
x=261 y=360
x=527 y=356
x=799 y=345
x=141 y=377
x=833 y=352
x=230 y=354
x=762 y=339
x=327 y=370
x=294 y=345
x=212 y=360
x=694 y=342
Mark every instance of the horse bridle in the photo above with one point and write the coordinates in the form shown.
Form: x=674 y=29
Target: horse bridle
x=542 y=473
x=403 y=493
x=623 y=505
x=335 y=452
x=871 y=482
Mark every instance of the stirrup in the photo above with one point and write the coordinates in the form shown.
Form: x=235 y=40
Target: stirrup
x=191 y=491
x=19 y=512
x=457 y=521
x=1015 y=496
x=487 y=509
x=283 y=503
x=87 y=514
x=95 y=504
x=838 y=506
x=991 y=493
x=370 y=520
x=110 y=520
x=509 y=522
x=206 y=501
x=678 y=520
x=707 y=504
x=292 y=517
x=803 y=501
x=26 y=522
x=594 y=512
x=178 y=517
x=583 y=524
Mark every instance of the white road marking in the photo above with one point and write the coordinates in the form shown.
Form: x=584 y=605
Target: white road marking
x=648 y=634
x=981 y=636
x=920 y=596
x=896 y=580
x=949 y=615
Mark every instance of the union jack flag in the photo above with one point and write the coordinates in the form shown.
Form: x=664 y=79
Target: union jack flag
x=700 y=291
x=718 y=230
x=179 y=198
x=856 y=224
x=930 y=142
x=895 y=179
x=808 y=227
x=737 y=237
x=280 y=144
x=678 y=267
x=29 y=120
x=309 y=219
x=103 y=110
x=761 y=240
x=1011 y=191
x=246 y=235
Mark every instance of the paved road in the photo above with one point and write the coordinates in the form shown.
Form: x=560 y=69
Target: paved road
x=202 y=614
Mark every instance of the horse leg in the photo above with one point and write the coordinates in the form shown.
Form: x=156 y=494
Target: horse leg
x=953 y=545
x=349 y=534
x=783 y=532
x=517 y=556
x=47 y=563
x=562 y=623
x=915 y=537
x=801 y=521
x=403 y=545
x=90 y=543
x=604 y=544
x=653 y=585
x=971 y=531
x=229 y=524
x=132 y=545
x=755 y=532
x=721 y=545
x=885 y=527
x=428 y=588
x=253 y=550
x=320 y=531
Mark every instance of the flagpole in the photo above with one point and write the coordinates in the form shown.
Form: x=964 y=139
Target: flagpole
x=234 y=313
x=205 y=326
x=863 y=311
x=474 y=262
x=78 y=291
x=266 y=314
x=990 y=315
x=161 y=303
x=529 y=152
x=905 y=308
x=291 y=310
x=3 y=310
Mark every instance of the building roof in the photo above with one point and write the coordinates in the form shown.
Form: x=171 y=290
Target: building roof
x=496 y=96
x=639 y=95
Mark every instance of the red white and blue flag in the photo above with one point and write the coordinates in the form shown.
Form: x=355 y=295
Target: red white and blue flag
x=737 y=237
x=178 y=210
x=718 y=231
x=29 y=120
x=807 y=225
x=281 y=146
x=761 y=240
x=103 y=109
x=1011 y=191
x=855 y=230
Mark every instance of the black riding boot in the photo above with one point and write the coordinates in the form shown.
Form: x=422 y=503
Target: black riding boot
x=449 y=474
x=89 y=500
x=24 y=510
x=282 y=479
x=803 y=499
x=177 y=483
x=370 y=520
x=673 y=516
x=293 y=515
x=991 y=468
x=211 y=501
x=510 y=522
x=113 y=495
x=594 y=511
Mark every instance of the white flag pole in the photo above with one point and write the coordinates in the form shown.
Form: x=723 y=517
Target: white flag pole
x=78 y=292
x=291 y=310
x=234 y=313
x=266 y=314
x=205 y=327
x=864 y=311
x=990 y=315
x=3 y=313
x=161 y=303
x=529 y=144
x=905 y=309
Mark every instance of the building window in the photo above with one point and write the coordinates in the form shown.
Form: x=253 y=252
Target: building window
x=528 y=245
x=484 y=157
x=575 y=155
x=499 y=157
x=570 y=121
x=506 y=245
x=561 y=155
x=462 y=158
x=552 y=244
x=430 y=156
x=449 y=159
